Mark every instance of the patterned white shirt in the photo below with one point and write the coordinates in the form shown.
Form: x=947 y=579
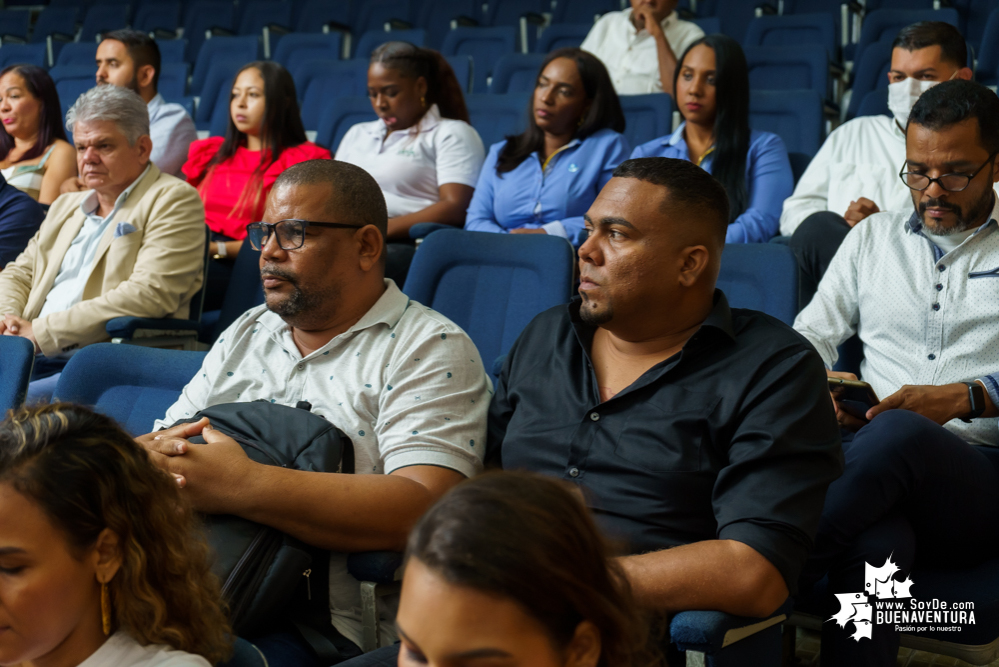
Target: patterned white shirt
x=405 y=384
x=925 y=317
x=630 y=55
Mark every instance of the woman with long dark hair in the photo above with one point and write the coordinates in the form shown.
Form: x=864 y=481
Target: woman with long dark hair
x=511 y=566
x=35 y=156
x=100 y=560
x=421 y=151
x=712 y=92
x=234 y=173
x=544 y=179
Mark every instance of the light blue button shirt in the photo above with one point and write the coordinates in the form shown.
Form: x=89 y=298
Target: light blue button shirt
x=67 y=290
x=554 y=199
x=768 y=181
x=172 y=132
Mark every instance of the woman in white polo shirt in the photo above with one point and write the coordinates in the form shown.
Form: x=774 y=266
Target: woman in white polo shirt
x=422 y=151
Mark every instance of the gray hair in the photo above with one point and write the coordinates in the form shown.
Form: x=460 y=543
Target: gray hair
x=120 y=105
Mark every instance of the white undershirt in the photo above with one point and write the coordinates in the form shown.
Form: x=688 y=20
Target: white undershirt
x=949 y=241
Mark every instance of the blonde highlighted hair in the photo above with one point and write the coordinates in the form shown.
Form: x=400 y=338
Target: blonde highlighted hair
x=87 y=474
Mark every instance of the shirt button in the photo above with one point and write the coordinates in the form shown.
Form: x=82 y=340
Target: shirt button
x=931 y=357
x=573 y=472
x=301 y=367
x=941 y=268
x=936 y=306
x=595 y=416
x=939 y=287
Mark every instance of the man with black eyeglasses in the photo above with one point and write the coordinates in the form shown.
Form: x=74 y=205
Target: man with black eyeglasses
x=922 y=292
x=403 y=382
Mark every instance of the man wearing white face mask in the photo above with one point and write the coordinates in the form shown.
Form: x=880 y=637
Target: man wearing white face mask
x=854 y=174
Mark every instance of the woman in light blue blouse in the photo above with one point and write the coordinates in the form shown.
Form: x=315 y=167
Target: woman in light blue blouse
x=544 y=180
x=712 y=92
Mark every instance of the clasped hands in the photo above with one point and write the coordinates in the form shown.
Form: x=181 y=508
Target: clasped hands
x=12 y=325
x=213 y=475
x=939 y=404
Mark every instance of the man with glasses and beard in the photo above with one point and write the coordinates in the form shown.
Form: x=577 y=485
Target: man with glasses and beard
x=921 y=292
x=404 y=383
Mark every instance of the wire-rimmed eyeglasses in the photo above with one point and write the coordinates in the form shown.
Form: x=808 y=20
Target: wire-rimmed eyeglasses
x=290 y=232
x=949 y=182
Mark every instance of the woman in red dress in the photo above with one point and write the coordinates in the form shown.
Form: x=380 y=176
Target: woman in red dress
x=235 y=173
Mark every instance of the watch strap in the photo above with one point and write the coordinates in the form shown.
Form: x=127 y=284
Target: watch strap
x=976 y=398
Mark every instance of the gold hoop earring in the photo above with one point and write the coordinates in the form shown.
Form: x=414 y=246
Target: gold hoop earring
x=105 y=609
x=423 y=101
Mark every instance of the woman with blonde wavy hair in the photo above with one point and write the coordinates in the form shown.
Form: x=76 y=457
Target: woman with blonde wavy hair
x=100 y=562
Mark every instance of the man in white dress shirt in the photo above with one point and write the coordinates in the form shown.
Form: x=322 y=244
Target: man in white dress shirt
x=920 y=288
x=403 y=382
x=640 y=46
x=854 y=174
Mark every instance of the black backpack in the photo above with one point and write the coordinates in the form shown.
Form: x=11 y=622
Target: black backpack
x=270 y=578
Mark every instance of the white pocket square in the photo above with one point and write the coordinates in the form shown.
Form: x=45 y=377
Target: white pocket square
x=123 y=229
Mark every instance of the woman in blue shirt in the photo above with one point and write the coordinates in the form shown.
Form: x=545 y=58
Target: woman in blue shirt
x=712 y=92
x=544 y=180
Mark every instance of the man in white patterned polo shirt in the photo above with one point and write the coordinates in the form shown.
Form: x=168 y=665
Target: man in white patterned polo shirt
x=402 y=381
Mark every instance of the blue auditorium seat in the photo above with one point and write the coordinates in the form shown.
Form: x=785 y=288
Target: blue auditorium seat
x=103 y=18
x=525 y=15
x=731 y=641
x=735 y=15
x=71 y=81
x=245 y=49
x=801 y=67
x=315 y=15
x=203 y=16
x=974 y=18
x=648 y=117
x=339 y=116
x=881 y=23
x=173 y=80
x=794 y=30
x=870 y=72
x=485 y=45
x=516 y=73
x=172 y=50
x=18 y=356
x=834 y=9
x=298 y=47
x=709 y=24
x=217 y=86
x=134 y=385
x=372 y=39
x=79 y=54
x=331 y=80
x=988 y=55
x=33 y=54
x=158 y=16
x=761 y=276
x=435 y=17
x=875 y=103
x=562 y=35
x=374 y=14
x=495 y=117
x=14 y=25
x=259 y=16
x=796 y=116
x=55 y=20
x=462 y=66
x=583 y=11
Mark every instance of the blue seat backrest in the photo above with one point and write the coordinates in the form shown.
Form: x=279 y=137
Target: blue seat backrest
x=435 y=17
x=160 y=15
x=562 y=35
x=372 y=39
x=495 y=117
x=245 y=290
x=173 y=80
x=15 y=22
x=988 y=55
x=103 y=18
x=709 y=24
x=801 y=67
x=295 y=48
x=491 y=285
x=79 y=54
x=260 y=13
x=205 y=15
x=132 y=384
x=760 y=276
x=245 y=49
x=340 y=79
x=54 y=20
x=508 y=12
x=18 y=356
x=583 y=11
x=974 y=19
x=793 y=115
x=172 y=50
x=795 y=30
x=72 y=81
x=341 y=115
x=516 y=73
x=648 y=117
x=735 y=16
x=218 y=80
x=34 y=54
x=462 y=66
x=875 y=103
x=881 y=23
x=317 y=13
x=870 y=73
x=485 y=45
x=373 y=14
x=219 y=120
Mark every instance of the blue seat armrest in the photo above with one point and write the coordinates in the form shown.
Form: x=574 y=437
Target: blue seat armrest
x=711 y=631
x=424 y=229
x=379 y=567
x=125 y=327
x=498 y=364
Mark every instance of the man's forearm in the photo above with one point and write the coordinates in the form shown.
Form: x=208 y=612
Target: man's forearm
x=719 y=575
x=335 y=511
x=667 y=63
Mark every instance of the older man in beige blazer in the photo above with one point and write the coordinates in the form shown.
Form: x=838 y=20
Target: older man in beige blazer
x=133 y=244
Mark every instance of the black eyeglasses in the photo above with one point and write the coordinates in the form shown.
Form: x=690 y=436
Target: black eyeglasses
x=290 y=233
x=949 y=182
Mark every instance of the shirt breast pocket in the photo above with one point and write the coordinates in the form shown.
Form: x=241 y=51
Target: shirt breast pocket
x=670 y=437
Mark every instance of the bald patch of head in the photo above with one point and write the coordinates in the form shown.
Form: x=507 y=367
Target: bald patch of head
x=354 y=194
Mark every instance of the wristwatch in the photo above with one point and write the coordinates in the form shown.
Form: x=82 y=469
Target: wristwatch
x=976 y=396
x=222 y=251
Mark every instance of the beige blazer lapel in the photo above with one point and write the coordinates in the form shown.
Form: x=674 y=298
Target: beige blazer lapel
x=50 y=262
x=125 y=214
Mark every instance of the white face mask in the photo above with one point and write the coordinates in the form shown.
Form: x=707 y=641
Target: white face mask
x=902 y=96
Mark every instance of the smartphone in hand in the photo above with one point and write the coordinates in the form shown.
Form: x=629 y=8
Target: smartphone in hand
x=854 y=396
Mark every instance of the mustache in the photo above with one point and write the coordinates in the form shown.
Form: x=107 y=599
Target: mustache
x=937 y=203
x=277 y=272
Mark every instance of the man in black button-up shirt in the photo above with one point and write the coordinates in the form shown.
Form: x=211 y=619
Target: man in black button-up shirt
x=685 y=422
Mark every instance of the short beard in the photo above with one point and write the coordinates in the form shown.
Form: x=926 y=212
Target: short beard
x=297 y=303
x=594 y=317
x=978 y=211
